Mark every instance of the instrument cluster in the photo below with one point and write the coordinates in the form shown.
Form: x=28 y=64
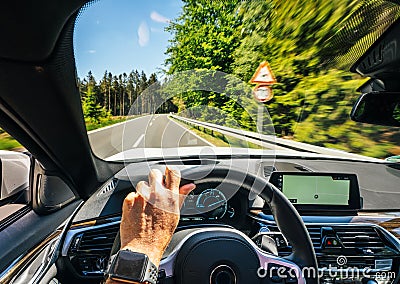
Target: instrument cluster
x=208 y=203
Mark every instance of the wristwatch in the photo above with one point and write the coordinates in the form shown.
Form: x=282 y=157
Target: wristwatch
x=132 y=267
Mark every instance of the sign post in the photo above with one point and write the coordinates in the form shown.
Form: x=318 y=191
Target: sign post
x=264 y=78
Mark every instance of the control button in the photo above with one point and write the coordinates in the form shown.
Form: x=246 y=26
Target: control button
x=101 y=263
x=161 y=274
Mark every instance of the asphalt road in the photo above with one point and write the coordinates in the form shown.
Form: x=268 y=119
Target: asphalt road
x=151 y=131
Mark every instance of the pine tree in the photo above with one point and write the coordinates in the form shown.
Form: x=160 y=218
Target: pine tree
x=92 y=111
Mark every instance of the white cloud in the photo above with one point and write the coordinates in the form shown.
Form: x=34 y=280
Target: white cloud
x=143 y=34
x=155 y=30
x=92 y=51
x=156 y=17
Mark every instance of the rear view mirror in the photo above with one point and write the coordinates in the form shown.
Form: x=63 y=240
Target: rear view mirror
x=381 y=108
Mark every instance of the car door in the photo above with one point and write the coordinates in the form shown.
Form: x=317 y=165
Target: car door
x=40 y=106
x=29 y=237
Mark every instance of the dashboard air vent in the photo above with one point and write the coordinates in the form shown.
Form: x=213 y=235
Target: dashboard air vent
x=267 y=171
x=108 y=187
x=98 y=240
x=313 y=230
x=315 y=235
x=359 y=237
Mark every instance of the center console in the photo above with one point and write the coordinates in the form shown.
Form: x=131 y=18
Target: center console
x=347 y=252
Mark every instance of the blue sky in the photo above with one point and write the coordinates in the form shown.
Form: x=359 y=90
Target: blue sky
x=122 y=35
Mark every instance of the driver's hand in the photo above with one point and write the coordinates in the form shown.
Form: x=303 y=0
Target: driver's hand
x=150 y=216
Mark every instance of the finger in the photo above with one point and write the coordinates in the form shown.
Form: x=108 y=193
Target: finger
x=143 y=189
x=140 y=202
x=172 y=179
x=187 y=188
x=155 y=176
x=129 y=201
x=156 y=185
x=184 y=191
x=133 y=203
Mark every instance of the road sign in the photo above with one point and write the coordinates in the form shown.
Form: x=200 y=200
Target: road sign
x=263 y=93
x=263 y=75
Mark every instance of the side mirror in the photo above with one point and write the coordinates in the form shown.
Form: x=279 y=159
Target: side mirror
x=381 y=108
x=15 y=168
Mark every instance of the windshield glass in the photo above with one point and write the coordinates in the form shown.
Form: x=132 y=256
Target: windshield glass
x=179 y=78
x=156 y=64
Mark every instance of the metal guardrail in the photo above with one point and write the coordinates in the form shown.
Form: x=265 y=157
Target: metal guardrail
x=273 y=142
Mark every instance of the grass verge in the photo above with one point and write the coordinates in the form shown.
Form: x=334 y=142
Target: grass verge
x=9 y=143
x=113 y=120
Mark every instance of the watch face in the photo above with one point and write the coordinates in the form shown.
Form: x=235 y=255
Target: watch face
x=130 y=265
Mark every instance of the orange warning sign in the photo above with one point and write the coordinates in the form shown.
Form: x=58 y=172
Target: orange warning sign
x=263 y=75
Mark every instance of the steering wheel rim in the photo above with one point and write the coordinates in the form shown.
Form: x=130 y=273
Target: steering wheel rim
x=286 y=216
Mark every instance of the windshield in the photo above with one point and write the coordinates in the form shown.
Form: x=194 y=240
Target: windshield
x=179 y=78
x=154 y=65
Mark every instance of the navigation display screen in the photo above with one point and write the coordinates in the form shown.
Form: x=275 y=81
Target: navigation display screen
x=324 y=190
x=314 y=191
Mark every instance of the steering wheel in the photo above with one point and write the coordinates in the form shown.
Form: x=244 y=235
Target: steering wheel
x=223 y=255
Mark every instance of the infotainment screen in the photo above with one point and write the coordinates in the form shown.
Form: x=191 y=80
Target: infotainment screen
x=310 y=190
x=323 y=190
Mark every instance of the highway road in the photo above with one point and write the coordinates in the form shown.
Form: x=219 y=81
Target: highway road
x=161 y=131
x=151 y=131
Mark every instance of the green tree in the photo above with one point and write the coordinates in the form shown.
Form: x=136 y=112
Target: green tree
x=291 y=36
x=116 y=91
x=105 y=88
x=204 y=36
x=92 y=111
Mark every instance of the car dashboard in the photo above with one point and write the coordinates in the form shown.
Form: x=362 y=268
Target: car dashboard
x=364 y=243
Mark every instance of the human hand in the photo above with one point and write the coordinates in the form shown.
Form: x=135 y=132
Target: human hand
x=150 y=216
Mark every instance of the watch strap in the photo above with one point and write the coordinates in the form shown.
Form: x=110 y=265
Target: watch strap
x=151 y=275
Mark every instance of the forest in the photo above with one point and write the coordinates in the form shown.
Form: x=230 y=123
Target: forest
x=113 y=95
x=312 y=99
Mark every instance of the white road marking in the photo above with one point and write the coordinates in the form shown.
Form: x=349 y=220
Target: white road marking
x=138 y=141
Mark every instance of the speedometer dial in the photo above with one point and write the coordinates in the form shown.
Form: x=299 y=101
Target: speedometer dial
x=212 y=201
